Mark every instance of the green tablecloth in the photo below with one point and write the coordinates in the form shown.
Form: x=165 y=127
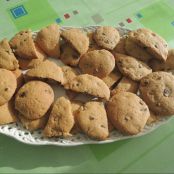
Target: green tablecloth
x=148 y=154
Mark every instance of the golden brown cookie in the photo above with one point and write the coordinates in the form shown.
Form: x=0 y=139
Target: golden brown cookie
x=120 y=47
x=68 y=74
x=61 y=119
x=34 y=99
x=69 y=55
x=134 y=50
x=48 y=40
x=7 y=58
x=45 y=71
x=106 y=37
x=131 y=67
x=127 y=112
x=89 y=84
x=99 y=63
x=125 y=85
x=164 y=66
x=23 y=45
x=7 y=113
x=25 y=64
x=157 y=90
x=92 y=120
x=77 y=39
x=33 y=124
x=112 y=78
x=8 y=85
x=152 y=42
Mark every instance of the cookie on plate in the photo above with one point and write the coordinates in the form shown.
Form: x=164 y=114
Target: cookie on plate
x=127 y=112
x=157 y=90
x=77 y=39
x=61 y=119
x=23 y=45
x=112 y=78
x=106 y=37
x=99 y=63
x=45 y=71
x=150 y=41
x=7 y=58
x=33 y=124
x=25 y=64
x=8 y=85
x=69 y=55
x=89 y=84
x=92 y=120
x=131 y=67
x=7 y=113
x=164 y=66
x=48 y=40
x=125 y=85
x=68 y=74
x=134 y=50
x=34 y=99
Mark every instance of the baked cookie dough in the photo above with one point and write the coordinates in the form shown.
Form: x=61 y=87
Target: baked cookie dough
x=152 y=42
x=7 y=58
x=45 y=71
x=34 y=99
x=131 y=67
x=61 y=119
x=157 y=90
x=8 y=85
x=106 y=37
x=99 y=63
x=92 y=120
x=127 y=112
x=48 y=40
x=77 y=39
x=89 y=84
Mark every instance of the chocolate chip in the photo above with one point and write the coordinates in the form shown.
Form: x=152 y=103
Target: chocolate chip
x=158 y=104
x=23 y=94
x=167 y=92
x=145 y=48
x=103 y=34
x=48 y=91
x=102 y=126
x=6 y=89
x=145 y=83
x=156 y=46
x=91 y=118
x=106 y=41
x=127 y=118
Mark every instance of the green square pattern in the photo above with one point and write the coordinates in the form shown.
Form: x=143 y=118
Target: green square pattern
x=39 y=15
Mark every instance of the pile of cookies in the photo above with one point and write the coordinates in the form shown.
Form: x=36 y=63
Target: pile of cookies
x=128 y=79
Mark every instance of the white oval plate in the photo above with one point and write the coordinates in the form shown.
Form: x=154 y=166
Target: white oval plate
x=16 y=130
